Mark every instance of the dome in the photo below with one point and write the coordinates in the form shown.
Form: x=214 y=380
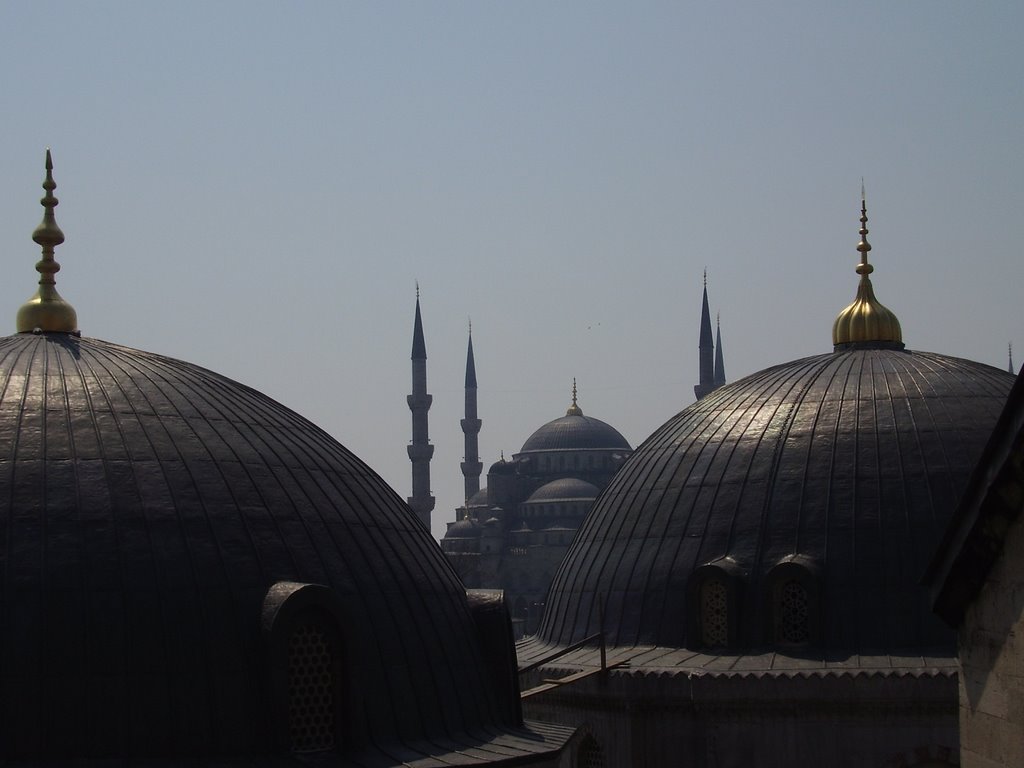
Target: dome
x=844 y=467
x=194 y=574
x=575 y=432
x=478 y=499
x=463 y=529
x=564 y=489
x=148 y=507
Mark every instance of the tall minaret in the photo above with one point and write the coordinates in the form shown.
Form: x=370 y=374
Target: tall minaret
x=707 y=348
x=421 y=451
x=719 y=357
x=471 y=466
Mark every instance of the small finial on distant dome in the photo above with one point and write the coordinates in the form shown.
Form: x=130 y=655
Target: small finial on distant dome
x=46 y=311
x=574 y=409
x=866 y=322
x=1011 y=369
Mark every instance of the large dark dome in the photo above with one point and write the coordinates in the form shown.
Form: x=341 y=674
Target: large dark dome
x=838 y=473
x=163 y=526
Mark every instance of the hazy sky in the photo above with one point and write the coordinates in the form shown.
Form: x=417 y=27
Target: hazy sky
x=256 y=187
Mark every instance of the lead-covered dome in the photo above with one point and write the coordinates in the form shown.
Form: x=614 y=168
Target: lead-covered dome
x=148 y=506
x=192 y=572
x=845 y=466
x=574 y=432
x=796 y=508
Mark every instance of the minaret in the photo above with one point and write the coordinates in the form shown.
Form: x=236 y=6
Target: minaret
x=707 y=348
x=471 y=466
x=719 y=357
x=421 y=451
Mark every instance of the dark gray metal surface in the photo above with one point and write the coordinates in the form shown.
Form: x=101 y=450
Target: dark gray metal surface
x=852 y=462
x=146 y=506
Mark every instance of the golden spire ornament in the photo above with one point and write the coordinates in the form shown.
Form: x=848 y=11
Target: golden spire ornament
x=46 y=311
x=574 y=409
x=866 y=322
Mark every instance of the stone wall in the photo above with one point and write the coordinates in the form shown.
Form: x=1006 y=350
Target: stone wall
x=992 y=660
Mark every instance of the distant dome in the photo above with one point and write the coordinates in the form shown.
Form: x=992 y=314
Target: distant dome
x=463 y=529
x=478 y=499
x=845 y=467
x=149 y=506
x=575 y=432
x=564 y=489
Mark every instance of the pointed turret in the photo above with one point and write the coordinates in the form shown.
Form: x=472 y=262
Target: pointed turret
x=719 y=357
x=420 y=451
x=471 y=466
x=706 y=347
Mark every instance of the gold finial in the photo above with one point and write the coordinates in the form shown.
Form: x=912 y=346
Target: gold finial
x=46 y=311
x=574 y=409
x=866 y=321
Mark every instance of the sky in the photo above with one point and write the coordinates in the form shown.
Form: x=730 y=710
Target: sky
x=257 y=187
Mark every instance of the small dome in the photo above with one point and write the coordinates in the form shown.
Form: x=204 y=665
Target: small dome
x=564 y=489
x=478 y=499
x=463 y=529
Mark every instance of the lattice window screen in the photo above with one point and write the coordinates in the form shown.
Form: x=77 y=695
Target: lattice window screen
x=714 y=614
x=590 y=754
x=311 y=689
x=793 y=615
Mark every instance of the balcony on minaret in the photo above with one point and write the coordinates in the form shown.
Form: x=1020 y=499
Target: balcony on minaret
x=420 y=451
x=419 y=401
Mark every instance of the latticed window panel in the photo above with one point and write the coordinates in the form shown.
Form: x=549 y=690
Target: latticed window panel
x=311 y=682
x=792 y=624
x=590 y=754
x=714 y=614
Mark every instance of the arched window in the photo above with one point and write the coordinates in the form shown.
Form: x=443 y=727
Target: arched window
x=589 y=755
x=791 y=596
x=713 y=598
x=301 y=623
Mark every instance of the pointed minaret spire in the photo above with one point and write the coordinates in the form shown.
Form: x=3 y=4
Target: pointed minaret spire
x=706 y=347
x=420 y=451
x=719 y=356
x=1011 y=369
x=46 y=311
x=471 y=466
